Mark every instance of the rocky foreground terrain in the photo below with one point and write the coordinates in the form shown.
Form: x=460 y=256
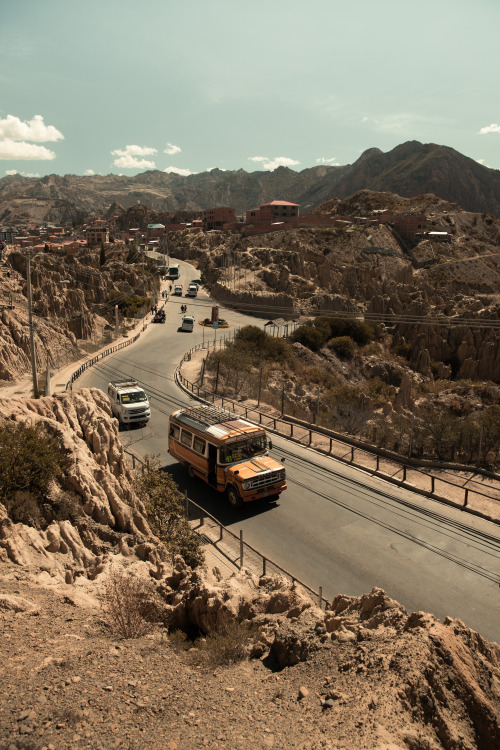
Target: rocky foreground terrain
x=362 y=674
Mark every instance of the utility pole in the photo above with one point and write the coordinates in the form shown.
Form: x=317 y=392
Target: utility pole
x=30 y=323
x=47 y=377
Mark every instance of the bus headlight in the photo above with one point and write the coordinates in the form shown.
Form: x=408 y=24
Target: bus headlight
x=247 y=485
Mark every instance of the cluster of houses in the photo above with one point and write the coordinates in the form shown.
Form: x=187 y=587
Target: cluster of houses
x=269 y=217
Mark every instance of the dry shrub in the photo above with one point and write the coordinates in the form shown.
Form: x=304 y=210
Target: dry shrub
x=226 y=644
x=131 y=605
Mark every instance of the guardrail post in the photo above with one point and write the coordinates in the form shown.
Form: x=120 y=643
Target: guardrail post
x=310 y=437
x=378 y=462
x=352 y=453
x=432 y=485
x=404 y=473
x=264 y=566
x=331 y=445
x=466 y=498
x=320 y=596
x=241 y=548
x=202 y=518
x=291 y=430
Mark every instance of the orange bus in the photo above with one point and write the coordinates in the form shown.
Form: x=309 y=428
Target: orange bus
x=227 y=452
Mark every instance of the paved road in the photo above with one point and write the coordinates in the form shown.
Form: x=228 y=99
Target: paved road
x=335 y=526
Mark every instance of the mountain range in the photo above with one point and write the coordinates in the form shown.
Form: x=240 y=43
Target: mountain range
x=410 y=169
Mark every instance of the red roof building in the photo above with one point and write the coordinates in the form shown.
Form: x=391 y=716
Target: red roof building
x=274 y=211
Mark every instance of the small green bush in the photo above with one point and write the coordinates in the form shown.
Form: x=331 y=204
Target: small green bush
x=128 y=304
x=310 y=336
x=343 y=346
x=166 y=514
x=30 y=459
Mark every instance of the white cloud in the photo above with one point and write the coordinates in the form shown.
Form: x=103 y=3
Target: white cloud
x=493 y=128
x=170 y=149
x=21 y=150
x=131 y=162
x=178 y=170
x=277 y=161
x=221 y=169
x=14 y=129
x=332 y=161
x=127 y=157
x=89 y=172
x=24 y=174
x=134 y=151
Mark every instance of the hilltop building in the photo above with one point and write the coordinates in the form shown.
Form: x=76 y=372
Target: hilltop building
x=217 y=218
x=97 y=233
x=272 y=212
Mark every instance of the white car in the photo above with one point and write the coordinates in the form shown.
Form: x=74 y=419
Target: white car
x=187 y=323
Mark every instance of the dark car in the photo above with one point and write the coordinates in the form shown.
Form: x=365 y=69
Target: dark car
x=159 y=317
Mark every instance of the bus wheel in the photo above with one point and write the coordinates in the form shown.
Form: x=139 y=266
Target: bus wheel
x=233 y=497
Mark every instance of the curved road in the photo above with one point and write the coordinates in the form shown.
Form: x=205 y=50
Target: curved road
x=335 y=526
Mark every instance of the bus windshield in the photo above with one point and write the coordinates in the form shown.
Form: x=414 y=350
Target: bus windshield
x=242 y=450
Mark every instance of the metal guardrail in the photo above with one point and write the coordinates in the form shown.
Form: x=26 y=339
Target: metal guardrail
x=230 y=545
x=347 y=450
x=241 y=554
x=93 y=360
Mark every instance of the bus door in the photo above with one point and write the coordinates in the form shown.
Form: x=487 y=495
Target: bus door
x=212 y=465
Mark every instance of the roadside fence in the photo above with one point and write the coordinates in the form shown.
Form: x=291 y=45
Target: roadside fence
x=93 y=360
x=378 y=462
x=232 y=546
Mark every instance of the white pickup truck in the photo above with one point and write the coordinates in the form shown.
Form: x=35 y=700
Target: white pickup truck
x=129 y=403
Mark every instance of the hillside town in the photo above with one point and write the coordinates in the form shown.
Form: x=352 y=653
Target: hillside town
x=273 y=216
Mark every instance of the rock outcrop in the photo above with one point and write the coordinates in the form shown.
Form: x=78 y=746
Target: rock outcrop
x=109 y=517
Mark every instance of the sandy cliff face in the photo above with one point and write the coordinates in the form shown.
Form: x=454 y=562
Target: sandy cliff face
x=72 y=302
x=98 y=483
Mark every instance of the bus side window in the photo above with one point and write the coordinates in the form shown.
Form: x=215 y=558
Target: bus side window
x=175 y=431
x=186 y=438
x=199 y=445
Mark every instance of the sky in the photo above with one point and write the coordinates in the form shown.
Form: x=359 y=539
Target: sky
x=115 y=86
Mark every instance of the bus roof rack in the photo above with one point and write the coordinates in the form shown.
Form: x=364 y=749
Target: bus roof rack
x=210 y=415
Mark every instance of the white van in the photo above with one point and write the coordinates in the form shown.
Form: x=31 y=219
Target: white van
x=187 y=323
x=129 y=403
x=192 y=290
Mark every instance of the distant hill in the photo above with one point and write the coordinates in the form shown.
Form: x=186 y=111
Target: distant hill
x=409 y=170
